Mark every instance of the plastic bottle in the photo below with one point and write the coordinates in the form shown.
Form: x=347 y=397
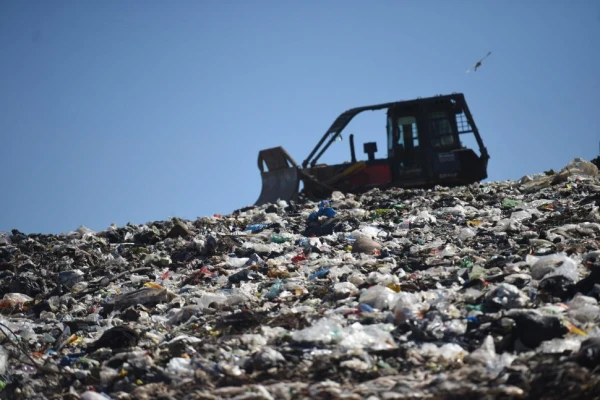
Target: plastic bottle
x=276 y=238
x=256 y=227
x=275 y=289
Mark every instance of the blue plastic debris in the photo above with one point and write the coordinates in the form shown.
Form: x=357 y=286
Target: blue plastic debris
x=365 y=308
x=328 y=212
x=319 y=274
x=324 y=204
x=275 y=289
x=68 y=360
x=256 y=227
x=302 y=242
x=323 y=211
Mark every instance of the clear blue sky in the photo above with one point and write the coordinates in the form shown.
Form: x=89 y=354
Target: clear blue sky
x=136 y=111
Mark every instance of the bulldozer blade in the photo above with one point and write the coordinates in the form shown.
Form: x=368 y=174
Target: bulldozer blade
x=278 y=185
x=281 y=180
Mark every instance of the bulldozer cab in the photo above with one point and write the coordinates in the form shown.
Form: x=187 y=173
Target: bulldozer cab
x=424 y=148
x=425 y=145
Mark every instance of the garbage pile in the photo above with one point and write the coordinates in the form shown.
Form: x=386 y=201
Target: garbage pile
x=484 y=291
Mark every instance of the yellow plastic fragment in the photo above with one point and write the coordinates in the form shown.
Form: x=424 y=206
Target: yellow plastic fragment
x=395 y=287
x=574 y=329
x=74 y=339
x=153 y=285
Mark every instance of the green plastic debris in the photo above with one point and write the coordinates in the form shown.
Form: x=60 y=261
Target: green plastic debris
x=140 y=250
x=276 y=238
x=477 y=272
x=2 y=385
x=383 y=211
x=466 y=263
x=509 y=203
x=383 y=365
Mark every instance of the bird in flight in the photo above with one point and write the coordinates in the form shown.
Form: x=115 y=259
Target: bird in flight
x=478 y=63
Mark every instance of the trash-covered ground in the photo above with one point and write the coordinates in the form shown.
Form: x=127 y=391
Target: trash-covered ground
x=486 y=291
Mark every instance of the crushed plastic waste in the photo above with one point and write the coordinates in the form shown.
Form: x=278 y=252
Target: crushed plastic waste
x=486 y=291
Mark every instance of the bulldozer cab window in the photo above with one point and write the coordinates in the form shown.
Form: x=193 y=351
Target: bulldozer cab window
x=392 y=137
x=408 y=134
x=403 y=140
x=442 y=133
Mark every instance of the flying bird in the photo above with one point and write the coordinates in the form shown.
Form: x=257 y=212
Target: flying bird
x=478 y=63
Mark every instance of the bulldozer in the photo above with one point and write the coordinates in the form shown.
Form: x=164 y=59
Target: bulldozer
x=424 y=149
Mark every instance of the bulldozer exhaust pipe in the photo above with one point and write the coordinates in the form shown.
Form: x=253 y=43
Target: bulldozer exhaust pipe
x=352 y=153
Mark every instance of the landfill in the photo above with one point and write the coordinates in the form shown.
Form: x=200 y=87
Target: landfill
x=476 y=292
